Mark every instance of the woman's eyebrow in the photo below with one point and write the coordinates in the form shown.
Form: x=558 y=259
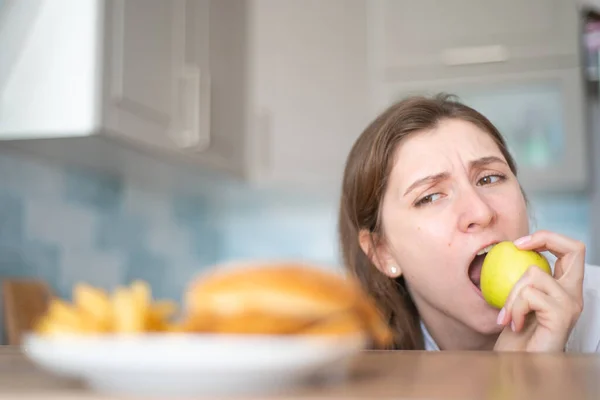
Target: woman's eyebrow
x=431 y=179
x=483 y=161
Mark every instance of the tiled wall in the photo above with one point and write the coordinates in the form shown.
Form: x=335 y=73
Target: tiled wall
x=67 y=225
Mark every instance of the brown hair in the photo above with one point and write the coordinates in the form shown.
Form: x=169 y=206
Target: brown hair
x=364 y=185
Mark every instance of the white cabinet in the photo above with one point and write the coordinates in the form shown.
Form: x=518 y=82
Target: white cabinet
x=273 y=91
x=307 y=93
x=133 y=69
x=423 y=39
x=125 y=73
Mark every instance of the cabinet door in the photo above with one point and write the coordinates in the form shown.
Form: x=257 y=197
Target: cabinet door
x=153 y=95
x=308 y=94
x=423 y=39
x=217 y=39
x=540 y=114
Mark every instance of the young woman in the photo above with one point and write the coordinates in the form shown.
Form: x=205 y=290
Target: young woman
x=428 y=187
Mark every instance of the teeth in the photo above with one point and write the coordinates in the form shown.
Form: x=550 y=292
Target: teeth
x=485 y=250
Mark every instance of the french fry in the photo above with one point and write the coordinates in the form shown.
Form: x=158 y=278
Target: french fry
x=50 y=327
x=128 y=316
x=95 y=304
x=141 y=296
x=128 y=309
x=65 y=314
x=62 y=317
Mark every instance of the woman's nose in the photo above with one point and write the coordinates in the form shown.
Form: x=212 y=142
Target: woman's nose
x=475 y=212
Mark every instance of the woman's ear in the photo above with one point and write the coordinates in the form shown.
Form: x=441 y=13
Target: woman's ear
x=378 y=253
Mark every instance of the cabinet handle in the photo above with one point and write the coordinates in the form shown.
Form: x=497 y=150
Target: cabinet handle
x=195 y=109
x=475 y=55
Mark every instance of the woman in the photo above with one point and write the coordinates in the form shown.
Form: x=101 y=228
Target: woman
x=428 y=187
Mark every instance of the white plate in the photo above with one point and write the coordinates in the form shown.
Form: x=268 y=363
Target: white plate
x=167 y=365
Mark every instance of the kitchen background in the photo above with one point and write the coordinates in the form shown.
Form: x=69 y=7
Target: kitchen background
x=65 y=222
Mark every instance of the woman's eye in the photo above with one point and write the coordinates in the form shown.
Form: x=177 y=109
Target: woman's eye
x=489 y=179
x=430 y=198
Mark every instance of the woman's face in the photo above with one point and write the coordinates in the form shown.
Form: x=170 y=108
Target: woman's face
x=450 y=194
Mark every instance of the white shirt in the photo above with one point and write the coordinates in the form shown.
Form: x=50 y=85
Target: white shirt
x=585 y=337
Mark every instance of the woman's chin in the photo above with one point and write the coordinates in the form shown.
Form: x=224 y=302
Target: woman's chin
x=489 y=327
x=485 y=322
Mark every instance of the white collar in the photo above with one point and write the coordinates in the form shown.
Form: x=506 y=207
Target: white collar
x=430 y=344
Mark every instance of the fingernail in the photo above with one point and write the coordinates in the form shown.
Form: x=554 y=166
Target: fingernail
x=522 y=240
x=512 y=326
x=500 y=318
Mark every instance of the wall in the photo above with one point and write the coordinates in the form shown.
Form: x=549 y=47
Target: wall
x=66 y=225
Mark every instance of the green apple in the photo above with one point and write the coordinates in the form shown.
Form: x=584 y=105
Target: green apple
x=503 y=266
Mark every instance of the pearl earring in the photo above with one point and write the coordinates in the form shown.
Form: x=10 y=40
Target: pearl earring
x=393 y=270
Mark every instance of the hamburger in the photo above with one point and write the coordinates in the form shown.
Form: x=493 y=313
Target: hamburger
x=281 y=298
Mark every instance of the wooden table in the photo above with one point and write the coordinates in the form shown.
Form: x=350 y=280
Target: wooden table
x=381 y=375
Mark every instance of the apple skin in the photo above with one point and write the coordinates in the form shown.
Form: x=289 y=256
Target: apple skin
x=503 y=266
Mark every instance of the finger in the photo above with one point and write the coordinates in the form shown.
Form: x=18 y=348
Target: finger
x=557 y=244
x=569 y=269
x=530 y=300
x=504 y=317
x=539 y=280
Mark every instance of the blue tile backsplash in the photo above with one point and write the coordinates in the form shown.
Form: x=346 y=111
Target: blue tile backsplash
x=66 y=225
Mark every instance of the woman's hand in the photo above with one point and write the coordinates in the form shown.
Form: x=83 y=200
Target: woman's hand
x=556 y=302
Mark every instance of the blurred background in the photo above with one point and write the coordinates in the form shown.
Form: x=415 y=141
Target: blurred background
x=155 y=138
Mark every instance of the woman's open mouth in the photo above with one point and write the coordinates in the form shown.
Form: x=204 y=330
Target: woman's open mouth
x=475 y=266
